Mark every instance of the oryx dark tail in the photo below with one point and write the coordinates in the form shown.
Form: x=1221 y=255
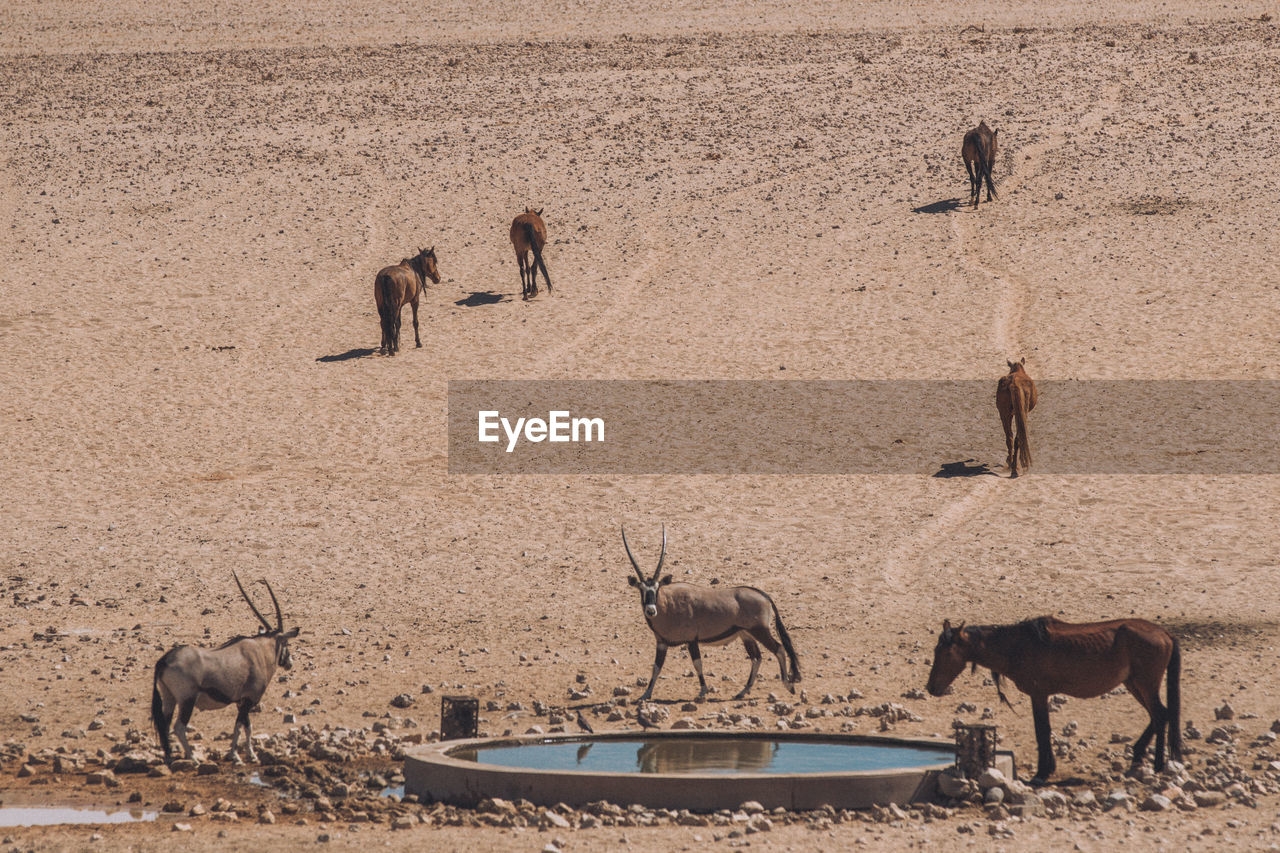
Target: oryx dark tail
x=159 y=719
x=537 y=253
x=786 y=643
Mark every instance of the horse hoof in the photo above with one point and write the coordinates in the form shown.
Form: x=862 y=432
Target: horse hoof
x=1038 y=782
x=418 y=345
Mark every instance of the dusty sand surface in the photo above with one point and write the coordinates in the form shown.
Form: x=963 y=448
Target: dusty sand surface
x=196 y=197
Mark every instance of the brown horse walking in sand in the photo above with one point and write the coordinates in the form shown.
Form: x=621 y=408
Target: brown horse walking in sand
x=1046 y=656
x=979 y=153
x=528 y=233
x=1015 y=397
x=394 y=286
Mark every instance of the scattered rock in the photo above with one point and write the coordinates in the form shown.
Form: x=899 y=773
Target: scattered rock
x=1209 y=799
x=1157 y=803
x=992 y=778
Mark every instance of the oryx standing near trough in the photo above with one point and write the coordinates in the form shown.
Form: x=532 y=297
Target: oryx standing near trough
x=682 y=614
x=238 y=671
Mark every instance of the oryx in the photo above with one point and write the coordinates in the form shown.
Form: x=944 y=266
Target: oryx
x=682 y=614
x=238 y=671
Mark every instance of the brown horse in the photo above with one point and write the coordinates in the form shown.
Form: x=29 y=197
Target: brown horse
x=1046 y=656
x=979 y=153
x=529 y=233
x=394 y=286
x=1015 y=397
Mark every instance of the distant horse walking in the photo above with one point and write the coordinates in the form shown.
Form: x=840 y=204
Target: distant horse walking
x=394 y=286
x=529 y=233
x=1015 y=397
x=979 y=153
x=1046 y=656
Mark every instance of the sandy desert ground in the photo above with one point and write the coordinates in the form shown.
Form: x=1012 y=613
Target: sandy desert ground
x=197 y=195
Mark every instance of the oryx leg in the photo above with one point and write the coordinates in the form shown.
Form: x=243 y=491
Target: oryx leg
x=659 y=658
x=242 y=719
x=765 y=638
x=753 y=651
x=696 y=654
x=184 y=716
x=167 y=706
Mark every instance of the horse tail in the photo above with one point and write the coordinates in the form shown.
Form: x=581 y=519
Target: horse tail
x=986 y=168
x=386 y=311
x=1174 y=703
x=1020 y=403
x=786 y=643
x=531 y=236
x=157 y=706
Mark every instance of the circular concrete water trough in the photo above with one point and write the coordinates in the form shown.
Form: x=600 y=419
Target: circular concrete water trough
x=695 y=770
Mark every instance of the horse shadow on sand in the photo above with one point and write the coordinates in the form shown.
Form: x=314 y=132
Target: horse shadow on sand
x=482 y=297
x=362 y=352
x=945 y=205
x=965 y=468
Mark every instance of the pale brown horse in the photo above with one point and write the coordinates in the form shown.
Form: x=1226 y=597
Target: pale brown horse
x=528 y=233
x=1046 y=656
x=394 y=286
x=1015 y=397
x=979 y=153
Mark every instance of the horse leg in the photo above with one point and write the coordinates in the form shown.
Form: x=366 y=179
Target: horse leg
x=753 y=652
x=1006 y=421
x=659 y=658
x=1044 y=740
x=973 y=183
x=395 y=333
x=414 y=305
x=696 y=654
x=991 y=190
x=1148 y=697
x=524 y=278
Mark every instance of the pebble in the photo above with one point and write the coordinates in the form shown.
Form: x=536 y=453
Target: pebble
x=1156 y=803
x=992 y=778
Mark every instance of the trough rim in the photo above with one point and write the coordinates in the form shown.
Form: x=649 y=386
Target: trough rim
x=439 y=753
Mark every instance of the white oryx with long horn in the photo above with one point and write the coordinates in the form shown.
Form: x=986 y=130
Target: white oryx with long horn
x=682 y=614
x=238 y=671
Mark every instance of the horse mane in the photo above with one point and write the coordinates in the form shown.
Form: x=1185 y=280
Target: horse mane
x=1034 y=631
x=1013 y=637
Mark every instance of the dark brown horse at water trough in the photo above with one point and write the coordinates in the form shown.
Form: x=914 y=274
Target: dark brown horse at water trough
x=529 y=234
x=979 y=153
x=1015 y=397
x=394 y=286
x=1046 y=656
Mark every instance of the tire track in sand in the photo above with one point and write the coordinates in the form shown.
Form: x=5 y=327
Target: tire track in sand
x=909 y=561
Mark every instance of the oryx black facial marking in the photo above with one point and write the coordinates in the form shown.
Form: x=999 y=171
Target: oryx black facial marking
x=681 y=614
